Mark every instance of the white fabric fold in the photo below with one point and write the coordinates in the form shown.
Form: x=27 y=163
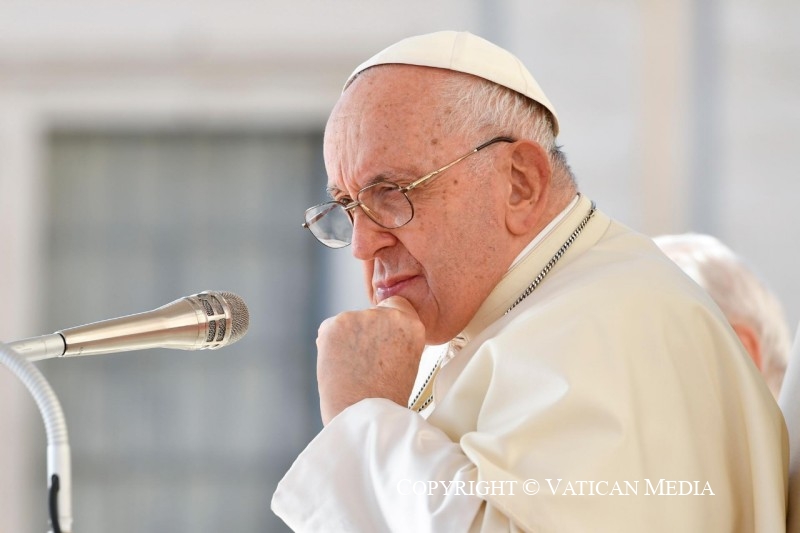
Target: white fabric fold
x=373 y=468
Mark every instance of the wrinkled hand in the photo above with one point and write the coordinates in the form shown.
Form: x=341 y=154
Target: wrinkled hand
x=372 y=353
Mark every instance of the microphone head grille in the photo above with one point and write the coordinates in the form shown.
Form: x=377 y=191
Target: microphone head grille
x=240 y=315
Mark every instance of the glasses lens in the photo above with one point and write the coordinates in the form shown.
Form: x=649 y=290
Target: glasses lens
x=386 y=205
x=330 y=224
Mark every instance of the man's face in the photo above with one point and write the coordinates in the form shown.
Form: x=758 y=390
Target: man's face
x=388 y=126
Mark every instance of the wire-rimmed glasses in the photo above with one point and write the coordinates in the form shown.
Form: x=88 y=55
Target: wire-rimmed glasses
x=384 y=202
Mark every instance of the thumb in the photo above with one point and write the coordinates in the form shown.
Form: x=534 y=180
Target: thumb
x=401 y=304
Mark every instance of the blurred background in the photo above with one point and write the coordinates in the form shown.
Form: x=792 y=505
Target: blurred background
x=155 y=149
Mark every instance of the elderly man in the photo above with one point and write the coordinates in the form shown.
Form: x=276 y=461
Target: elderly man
x=755 y=313
x=589 y=385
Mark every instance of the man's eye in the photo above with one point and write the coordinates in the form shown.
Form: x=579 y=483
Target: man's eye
x=344 y=200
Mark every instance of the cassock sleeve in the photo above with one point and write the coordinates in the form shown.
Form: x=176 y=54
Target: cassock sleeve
x=378 y=466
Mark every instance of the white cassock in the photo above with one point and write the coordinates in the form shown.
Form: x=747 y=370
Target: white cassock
x=616 y=387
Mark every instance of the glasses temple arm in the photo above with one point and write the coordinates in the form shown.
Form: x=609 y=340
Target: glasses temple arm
x=416 y=183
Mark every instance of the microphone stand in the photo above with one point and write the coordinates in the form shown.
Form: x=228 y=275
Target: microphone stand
x=59 y=476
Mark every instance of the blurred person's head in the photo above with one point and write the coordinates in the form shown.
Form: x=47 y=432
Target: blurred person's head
x=753 y=311
x=483 y=122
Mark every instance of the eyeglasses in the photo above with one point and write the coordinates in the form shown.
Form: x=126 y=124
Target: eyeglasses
x=385 y=203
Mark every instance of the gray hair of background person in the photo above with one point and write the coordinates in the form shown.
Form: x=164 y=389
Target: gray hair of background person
x=739 y=292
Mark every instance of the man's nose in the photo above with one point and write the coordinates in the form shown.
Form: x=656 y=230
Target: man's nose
x=368 y=236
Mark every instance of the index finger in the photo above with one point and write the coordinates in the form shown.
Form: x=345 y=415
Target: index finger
x=399 y=303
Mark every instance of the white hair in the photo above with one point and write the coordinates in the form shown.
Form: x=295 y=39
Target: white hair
x=739 y=293
x=477 y=105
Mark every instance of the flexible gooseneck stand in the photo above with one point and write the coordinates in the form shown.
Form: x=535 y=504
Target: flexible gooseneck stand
x=59 y=478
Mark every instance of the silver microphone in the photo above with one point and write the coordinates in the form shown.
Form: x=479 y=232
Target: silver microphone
x=208 y=320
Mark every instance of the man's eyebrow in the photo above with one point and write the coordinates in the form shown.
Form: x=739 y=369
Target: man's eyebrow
x=332 y=191
x=385 y=176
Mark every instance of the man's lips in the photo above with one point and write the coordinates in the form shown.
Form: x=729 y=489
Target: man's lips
x=392 y=286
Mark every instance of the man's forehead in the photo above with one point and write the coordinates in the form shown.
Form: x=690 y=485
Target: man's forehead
x=387 y=126
x=392 y=86
x=390 y=101
x=375 y=116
